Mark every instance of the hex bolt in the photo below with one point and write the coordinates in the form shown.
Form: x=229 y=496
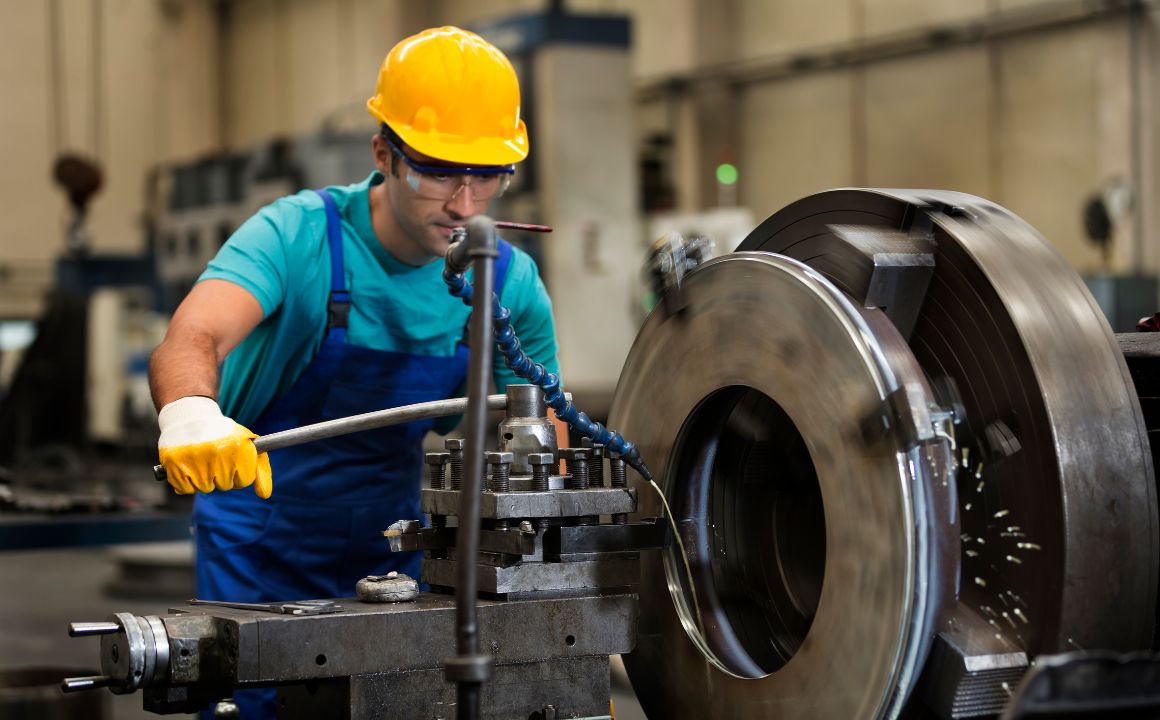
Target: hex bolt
x=455 y=450
x=542 y=466
x=436 y=462
x=577 y=459
x=578 y=475
x=595 y=462
x=618 y=478
x=501 y=466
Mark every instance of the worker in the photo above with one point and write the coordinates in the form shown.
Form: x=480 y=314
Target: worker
x=330 y=303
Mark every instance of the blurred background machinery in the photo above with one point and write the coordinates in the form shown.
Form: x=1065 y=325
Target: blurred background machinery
x=76 y=419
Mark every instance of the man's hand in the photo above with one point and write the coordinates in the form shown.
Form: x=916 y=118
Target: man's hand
x=203 y=450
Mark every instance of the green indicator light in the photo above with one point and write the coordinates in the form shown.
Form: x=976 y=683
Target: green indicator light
x=727 y=173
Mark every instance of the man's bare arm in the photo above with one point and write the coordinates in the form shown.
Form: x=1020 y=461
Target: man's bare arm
x=209 y=323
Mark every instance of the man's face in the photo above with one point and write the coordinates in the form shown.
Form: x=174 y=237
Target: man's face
x=426 y=222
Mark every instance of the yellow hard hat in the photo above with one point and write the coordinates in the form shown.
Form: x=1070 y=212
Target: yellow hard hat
x=450 y=94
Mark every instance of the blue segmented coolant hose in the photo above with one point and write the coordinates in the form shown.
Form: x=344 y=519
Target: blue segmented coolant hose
x=535 y=373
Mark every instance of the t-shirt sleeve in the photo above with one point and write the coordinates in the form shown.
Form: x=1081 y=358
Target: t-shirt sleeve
x=525 y=295
x=255 y=258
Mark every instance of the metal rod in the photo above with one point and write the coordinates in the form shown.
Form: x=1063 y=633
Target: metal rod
x=76 y=684
x=365 y=421
x=83 y=629
x=482 y=249
x=372 y=420
x=526 y=227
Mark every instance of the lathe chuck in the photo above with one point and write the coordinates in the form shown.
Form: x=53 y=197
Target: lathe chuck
x=891 y=414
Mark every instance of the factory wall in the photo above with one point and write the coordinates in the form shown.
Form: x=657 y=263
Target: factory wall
x=1036 y=121
x=1148 y=128
x=297 y=65
x=1036 y=124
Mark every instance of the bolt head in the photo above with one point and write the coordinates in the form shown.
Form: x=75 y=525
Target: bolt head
x=437 y=458
x=454 y=443
x=535 y=459
x=575 y=453
x=499 y=458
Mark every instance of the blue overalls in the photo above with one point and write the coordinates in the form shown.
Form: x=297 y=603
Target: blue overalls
x=321 y=531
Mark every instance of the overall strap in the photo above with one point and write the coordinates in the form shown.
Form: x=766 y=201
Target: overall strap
x=502 y=263
x=338 y=304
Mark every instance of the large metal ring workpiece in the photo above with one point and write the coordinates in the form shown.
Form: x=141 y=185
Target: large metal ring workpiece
x=888 y=409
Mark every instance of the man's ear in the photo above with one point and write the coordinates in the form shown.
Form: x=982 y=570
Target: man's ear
x=384 y=158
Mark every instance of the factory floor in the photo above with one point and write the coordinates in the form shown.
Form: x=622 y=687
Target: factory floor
x=42 y=591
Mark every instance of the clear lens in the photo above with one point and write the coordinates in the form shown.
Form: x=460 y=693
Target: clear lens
x=447 y=186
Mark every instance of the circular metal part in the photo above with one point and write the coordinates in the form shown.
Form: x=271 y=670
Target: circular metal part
x=791 y=434
x=160 y=644
x=526 y=400
x=123 y=655
x=1059 y=509
x=137 y=654
x=389 y=588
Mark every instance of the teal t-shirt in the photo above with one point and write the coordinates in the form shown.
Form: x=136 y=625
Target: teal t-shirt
x=280 y=255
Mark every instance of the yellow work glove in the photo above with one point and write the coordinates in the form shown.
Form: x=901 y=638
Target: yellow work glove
x=203 y=450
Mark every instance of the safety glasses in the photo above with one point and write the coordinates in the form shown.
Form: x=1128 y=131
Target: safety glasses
x=440 y=182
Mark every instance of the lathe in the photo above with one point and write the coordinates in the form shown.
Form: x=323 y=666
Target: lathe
x=902 y=469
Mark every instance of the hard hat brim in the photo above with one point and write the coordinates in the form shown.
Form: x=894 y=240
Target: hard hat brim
x=455 y=149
